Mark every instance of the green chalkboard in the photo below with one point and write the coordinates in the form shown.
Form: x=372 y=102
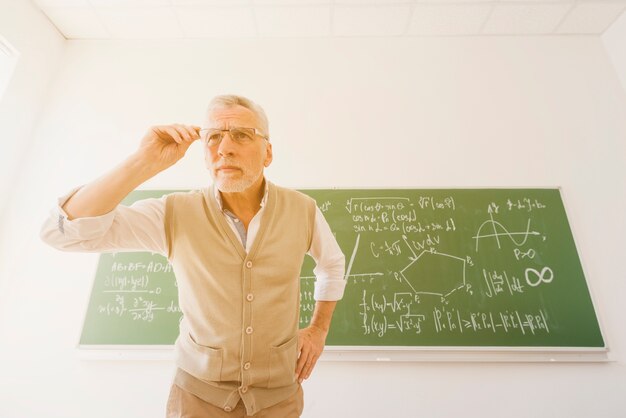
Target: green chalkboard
x=425 y=268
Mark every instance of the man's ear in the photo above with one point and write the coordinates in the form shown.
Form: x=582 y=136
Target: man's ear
x=269 y=156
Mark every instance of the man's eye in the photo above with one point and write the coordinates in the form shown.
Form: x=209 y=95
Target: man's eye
x=214 y=138
x=240 y=136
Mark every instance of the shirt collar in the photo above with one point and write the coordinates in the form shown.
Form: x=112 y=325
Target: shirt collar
x=218 y=196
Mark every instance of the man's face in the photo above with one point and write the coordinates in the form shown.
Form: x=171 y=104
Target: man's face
x=236 y=167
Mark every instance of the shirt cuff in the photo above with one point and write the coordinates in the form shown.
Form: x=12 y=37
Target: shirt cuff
x=329 y=290
x=85 y=228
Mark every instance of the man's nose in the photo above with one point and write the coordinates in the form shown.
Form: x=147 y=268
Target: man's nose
x=227 y=145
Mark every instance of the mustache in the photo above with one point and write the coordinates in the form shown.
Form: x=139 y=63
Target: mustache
x=225 y=162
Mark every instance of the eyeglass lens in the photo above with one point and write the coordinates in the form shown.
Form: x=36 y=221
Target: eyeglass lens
x=239 y=135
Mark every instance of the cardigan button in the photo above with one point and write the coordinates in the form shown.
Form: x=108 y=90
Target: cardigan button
x=249 y=264
x=246 y=366
x=228 y=408
x=244 y=389
x=249 y=297
x=249 y=330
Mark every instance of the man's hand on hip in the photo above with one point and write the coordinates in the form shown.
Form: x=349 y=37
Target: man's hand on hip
x=311 y=341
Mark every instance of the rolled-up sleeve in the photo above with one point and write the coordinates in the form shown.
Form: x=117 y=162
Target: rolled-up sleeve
x=330 y=262
x=138 y=227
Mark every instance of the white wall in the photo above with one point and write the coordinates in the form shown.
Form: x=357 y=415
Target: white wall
x=40 y=48
x=453 y=112
x=615 y=43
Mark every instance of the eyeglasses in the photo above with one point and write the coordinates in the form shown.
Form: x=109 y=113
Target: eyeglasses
x=240 y=135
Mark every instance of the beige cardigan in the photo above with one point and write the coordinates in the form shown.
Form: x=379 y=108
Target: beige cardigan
x=238 y=335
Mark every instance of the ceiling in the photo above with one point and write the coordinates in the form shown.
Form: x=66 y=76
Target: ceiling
x=179 y=19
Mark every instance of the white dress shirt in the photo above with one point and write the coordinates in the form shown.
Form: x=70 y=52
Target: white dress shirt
x=140 y=227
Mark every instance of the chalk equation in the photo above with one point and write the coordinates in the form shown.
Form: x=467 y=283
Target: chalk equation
x=426 y=265
x=402 y=313
x=134 y=290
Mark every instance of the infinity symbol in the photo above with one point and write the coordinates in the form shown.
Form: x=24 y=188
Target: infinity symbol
x=540 y=275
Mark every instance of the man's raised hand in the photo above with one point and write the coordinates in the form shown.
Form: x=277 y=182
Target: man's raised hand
x=164 y=145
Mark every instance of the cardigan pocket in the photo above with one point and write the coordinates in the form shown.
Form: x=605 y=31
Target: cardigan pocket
x=283 y=360
x=201 y=361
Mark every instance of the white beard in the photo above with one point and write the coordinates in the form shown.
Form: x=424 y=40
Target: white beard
x=227 y=185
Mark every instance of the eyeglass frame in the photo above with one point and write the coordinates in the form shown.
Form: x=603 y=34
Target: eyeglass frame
x=256 y=132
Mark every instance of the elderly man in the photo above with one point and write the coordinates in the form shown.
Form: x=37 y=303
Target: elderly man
x=236 y=249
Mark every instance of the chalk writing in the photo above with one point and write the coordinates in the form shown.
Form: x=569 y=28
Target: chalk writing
x=402 y=314
x=134 y=279
x=429 y=284
x=499 y=282
x=544 y=276
x=500 y=321
x=497 y=235
x=526 y=203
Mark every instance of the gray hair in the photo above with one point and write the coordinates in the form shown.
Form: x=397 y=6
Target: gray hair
x=230 y=100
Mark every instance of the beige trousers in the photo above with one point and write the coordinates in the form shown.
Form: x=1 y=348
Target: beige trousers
x=182 y=404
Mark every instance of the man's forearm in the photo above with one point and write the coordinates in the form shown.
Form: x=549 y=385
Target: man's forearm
x=311 y=339
x=106 y=192
x=161 y=147
x=322 y=314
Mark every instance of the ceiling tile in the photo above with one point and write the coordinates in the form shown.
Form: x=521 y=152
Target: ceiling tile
x=370 y=20
x=463 y=2
x=293 y=21
x=137 y=19
x=525 y=19
x=540 y=1
x=370 y=2
x=128 y=3
x=590 y=17
x=77 y=23
x=211 y=2
x=140 y=22
x=462 y=19
x=62 y=3
x=217 y=22
x=291 y=2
